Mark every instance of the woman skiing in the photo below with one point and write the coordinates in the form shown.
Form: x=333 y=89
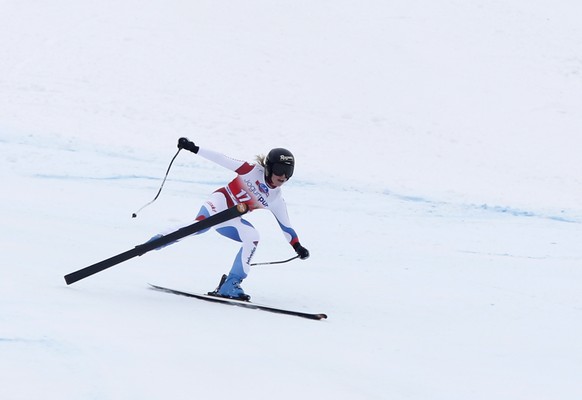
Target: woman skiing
x=258 y=186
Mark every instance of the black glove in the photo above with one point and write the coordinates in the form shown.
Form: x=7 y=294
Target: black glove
x=301 y=251
x=184 y=143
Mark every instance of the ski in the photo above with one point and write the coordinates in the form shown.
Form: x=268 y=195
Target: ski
x=240 y=303
x=150 y=245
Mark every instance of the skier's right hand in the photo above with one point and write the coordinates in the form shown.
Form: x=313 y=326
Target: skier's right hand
x=301 y=251
x=184 y=143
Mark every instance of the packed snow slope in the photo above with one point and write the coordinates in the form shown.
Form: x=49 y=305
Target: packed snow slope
x=438 y=187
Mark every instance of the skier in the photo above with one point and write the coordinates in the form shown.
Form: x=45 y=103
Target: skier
x=259 y=186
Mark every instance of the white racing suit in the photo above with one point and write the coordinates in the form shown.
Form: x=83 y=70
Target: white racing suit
x=248 y=187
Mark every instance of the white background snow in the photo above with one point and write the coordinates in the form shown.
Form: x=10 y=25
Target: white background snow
x=438 y=187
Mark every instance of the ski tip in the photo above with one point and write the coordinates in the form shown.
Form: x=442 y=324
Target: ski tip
x=322 y=316
x=69 y=279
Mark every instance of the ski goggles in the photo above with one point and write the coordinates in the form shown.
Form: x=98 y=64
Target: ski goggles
x=282 y=169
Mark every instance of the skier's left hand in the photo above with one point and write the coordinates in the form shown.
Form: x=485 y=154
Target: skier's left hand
x=301 y=251
x=184 y=143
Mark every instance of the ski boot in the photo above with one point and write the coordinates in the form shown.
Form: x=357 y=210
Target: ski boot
x=229 y=287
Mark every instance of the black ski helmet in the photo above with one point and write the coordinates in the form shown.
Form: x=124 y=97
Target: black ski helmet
x=280 y=162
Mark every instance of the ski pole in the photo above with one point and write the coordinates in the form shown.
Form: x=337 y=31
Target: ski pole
x=275 y=262
x=134 y=215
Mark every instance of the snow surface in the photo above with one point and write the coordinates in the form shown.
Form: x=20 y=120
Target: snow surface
x=438 y=188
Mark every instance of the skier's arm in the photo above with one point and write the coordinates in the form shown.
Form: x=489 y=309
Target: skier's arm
x=279 y=210
x=211 y=155
x=221 y=159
